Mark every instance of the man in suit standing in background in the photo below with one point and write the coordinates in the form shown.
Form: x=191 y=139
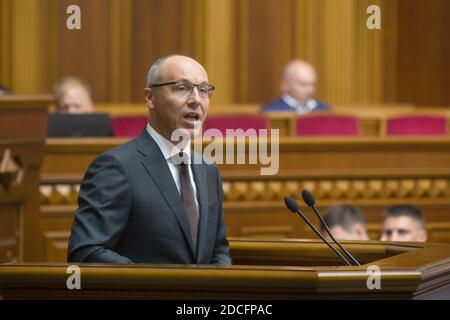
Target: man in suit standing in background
x=298 y=87
x=150 y=201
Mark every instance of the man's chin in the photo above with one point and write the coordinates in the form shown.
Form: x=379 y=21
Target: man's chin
x=194 y=130
x=184 y=134
x=187 y=131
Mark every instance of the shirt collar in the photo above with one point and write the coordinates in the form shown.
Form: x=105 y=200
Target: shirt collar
x=168 y=149
x=298 y=106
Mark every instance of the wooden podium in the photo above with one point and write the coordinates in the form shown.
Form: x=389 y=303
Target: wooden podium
x=23 y=129
x=263 y=269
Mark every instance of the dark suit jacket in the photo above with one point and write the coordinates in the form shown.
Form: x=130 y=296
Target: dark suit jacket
x=130 y=211
x=281 y=105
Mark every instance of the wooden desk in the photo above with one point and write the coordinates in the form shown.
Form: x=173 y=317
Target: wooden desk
x=372 y=173
x=371 y=117
x=263 y=270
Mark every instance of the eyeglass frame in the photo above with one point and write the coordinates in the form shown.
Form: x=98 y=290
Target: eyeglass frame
x=212 y=88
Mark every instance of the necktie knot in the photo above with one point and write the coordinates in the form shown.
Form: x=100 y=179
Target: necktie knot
x=180 y=158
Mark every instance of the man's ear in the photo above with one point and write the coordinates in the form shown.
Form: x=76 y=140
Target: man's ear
x=283 y=86
x=148 y=93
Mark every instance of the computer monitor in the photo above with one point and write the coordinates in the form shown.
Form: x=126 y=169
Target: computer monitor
x=79 y=125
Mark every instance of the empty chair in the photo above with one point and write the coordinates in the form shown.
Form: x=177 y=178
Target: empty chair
x=128 y=126
x=327 y=125
x=233 y=122
x=416 y=125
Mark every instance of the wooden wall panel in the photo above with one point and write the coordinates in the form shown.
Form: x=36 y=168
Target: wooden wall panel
x=161 y=28
x=219 y=48
x=120 y=50
x=24 y=55
x=85 y=53
x=49 y=46
x=244 y=45
x=389 y=51
x=269 y=47
x=424 y=52
x=367 y=78
x=5 y=42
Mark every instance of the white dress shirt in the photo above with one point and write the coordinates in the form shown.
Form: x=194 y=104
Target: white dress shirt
x=298 y=106
x=169 y=151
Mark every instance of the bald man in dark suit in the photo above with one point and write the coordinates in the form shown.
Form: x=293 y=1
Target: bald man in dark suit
x=149 y=201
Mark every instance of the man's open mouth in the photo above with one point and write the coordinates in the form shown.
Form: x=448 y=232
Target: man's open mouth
x=192 y=116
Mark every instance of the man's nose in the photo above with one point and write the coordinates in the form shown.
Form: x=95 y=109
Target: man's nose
x=194 y=97
x=72 y=109
x=394 y=236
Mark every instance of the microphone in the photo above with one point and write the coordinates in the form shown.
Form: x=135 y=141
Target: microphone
x=310 y=202
x=292 y=205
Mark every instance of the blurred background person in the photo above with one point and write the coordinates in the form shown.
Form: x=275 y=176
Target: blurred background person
x=345 y=223
x=404 y=223
x=4 y=90
x=73 y=95
x=298 y=88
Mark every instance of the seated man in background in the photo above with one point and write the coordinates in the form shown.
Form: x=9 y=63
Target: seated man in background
x=298 y=87
x=73 y=96
x=404 y=223
x=345 y=223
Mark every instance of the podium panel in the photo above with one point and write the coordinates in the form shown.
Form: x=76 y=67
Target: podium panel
x=263 y=269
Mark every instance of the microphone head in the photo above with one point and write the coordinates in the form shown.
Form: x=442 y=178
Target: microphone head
x=308 y=198
x=291 y=204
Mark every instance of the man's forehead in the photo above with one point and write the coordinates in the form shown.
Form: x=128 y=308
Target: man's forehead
x=306 y=72
x=302 y=75
x=75 y=93
x=75 y=89
x=183 y=67
x=401 y=222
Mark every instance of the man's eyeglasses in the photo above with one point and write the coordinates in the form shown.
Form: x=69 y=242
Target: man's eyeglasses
x=185 y=88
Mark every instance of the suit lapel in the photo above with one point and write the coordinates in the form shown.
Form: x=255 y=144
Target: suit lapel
x=156 y=165
x=199 y=173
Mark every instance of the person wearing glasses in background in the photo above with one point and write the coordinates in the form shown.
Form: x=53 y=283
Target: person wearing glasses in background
x=150 y=200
